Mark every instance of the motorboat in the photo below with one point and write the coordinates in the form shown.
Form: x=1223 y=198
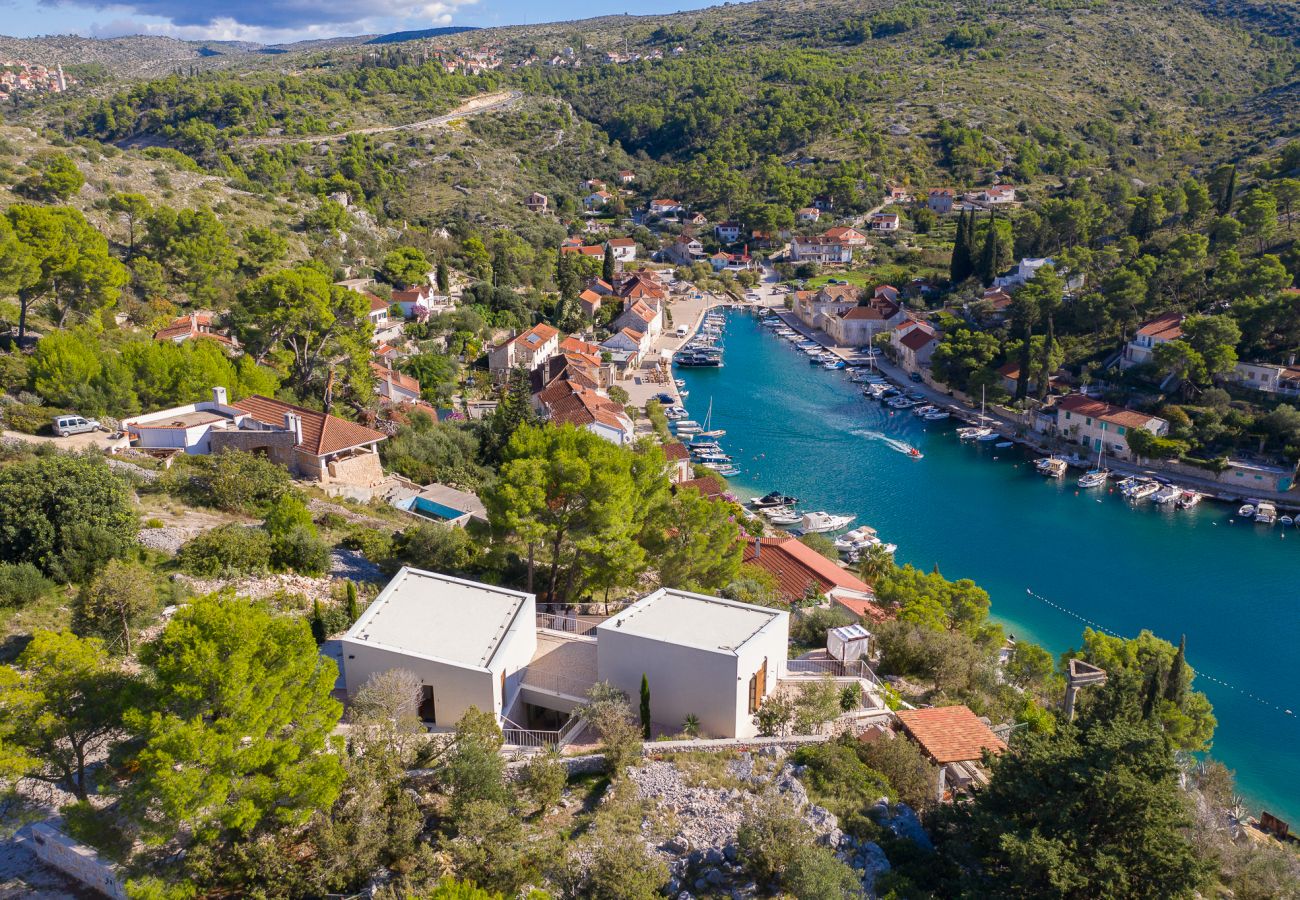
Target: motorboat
x=1265 y=513
x=712 y=457
x=924 y=410
x=937 y=416
x=1167 y=493
x=773 y=500
x=725 y=469
x=783 y=515
x=1090 y=479
x=1247 y=511
x=1144 y=488
x=833 y=365
x=991 y=436
x=1002 y=445
x=679 y=424
x=976 y=433
x=1051 y=467
x=1286 y=521
x=1126 y=484
x=1188 y=499
x=680 y=382
x=822 y=522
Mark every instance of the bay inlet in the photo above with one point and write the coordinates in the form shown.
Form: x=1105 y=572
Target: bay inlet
x=983 y=513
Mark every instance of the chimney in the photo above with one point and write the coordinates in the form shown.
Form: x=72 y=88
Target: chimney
x=219 y=396
x=293 y=423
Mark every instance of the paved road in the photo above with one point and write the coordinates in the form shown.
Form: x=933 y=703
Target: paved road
x=475 y=106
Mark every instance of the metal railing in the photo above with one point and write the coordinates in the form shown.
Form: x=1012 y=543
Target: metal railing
x=538 y=738
x=857 y=668
x=570 y=622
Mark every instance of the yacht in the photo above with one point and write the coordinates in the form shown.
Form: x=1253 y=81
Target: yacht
x=821 y=522
x=859 y=539
x=1265 y=513
x=1188 y=499
x=991 y=436
x=1167 y=493
x=712 y=457
x=773 y=500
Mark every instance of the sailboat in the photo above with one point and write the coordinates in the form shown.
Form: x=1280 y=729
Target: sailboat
x=708 y=419
x=1094 y=477
x=980 y=432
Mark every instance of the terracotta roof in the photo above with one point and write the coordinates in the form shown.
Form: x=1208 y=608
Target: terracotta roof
x=950 y=734
x=796 y=566
x=414 y=295
x=675 y=450
x=1165 y=328
x=400 y=379
x=569 y=404
x=709 y=487
x=840 y=293
x=195 y=325
x=574 y=345
x=536 y=336
x=376 y=303
x=1097 y=409
x=865 y=609
x=621 y=242
x=917 y=338
x=322 y=433
x=590 y=297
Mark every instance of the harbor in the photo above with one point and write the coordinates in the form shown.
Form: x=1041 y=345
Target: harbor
x=1050 y=552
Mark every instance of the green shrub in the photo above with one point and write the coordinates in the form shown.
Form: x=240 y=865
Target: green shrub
x=28 y=418
x=225 y=551
x=301 y=550
x=232 y=480
x=22 y=583
x=374 y=544
x=154 y=523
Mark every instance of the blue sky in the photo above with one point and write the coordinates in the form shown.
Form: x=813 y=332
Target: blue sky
x=275 y=21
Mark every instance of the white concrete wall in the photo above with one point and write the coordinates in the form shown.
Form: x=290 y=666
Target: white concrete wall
x=683 y=680
x=515 y=652
x=55 y=848
x=455 y=688
x=772 y=643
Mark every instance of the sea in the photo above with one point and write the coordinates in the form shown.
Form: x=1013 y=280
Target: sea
x=1052 y=557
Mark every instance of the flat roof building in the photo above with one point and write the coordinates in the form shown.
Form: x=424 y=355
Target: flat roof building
x=467 y=642
x=702 y=656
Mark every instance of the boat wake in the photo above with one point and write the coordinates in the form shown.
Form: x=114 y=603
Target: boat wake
x=892 y=443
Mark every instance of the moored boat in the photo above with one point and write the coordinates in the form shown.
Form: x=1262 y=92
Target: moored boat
x=1265 y=513
x=821 y=522
x=773 y=500
x=1167 y=493
x=1247 y=511
x=1188 y=499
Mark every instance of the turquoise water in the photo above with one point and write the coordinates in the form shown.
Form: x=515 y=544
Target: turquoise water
x=983 y=513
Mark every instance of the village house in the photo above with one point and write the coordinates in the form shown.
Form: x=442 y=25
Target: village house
x=815 y=308
x=820 y=249
x=680 y=467
x=594 y=251
x=601 y=286
x=528 y=350
x=684 y=251
x=1151 y=334
x=589 y=300
x=850 y=237
x=940 y=200
x=643 y=284
x=310 y=444
x=1098 y=426
x=419 y=303
x=698 y=219
x=593 y=184
x=640 y=316
x=993 y=306
x=537 y=202
x=597 y=199
x=801 y=572
x=626 y=176
x=728 y=232
x=623 y=248
x=884 y=221
x=378 y=313
x=568 y=403
x=808 y=214
x=1269 y=378
x=394 y=386
x=898 y=194
x=195 y=326
x=914 y=344
x=633 y=344
x=1027 y=268
x=997 y=195
x=859 y=325
x=664 y=207
x=954 y=740
x=731 y=262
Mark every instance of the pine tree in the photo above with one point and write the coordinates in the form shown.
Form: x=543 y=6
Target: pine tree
x=645 y=707
x=607 y=268
x=353 y=612
x=959 y=268
x=1176 y=681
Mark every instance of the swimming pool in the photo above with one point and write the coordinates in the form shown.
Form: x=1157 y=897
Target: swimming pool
x=430 y=509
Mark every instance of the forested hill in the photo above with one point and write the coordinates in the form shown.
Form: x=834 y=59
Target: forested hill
x=773 y=101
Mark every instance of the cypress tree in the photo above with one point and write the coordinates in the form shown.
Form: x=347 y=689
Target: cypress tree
x=988 y=264
x=1229 y=193
x=443 y=277
x=1176 y=682
x=353 y=612
x=959 y=268
x=607 y=268
x=317 y=623
x=645 y=707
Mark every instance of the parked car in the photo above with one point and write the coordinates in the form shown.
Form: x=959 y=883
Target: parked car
x=65 y=426
x=666 y=399
x=915 y=376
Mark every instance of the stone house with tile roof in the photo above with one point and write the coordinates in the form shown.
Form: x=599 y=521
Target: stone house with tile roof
x=801 y=571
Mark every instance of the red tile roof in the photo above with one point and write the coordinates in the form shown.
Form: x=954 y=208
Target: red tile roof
x=1097 y=409
x=676 y=450
x=917 y=338
x=711 y=488
x=536 y=336
x=797 y=566
x=865 y=609
x=1164 y=328
x=322 y=434
x=193 y=326
x=376 y=303
x=950 y=734
x=400 y=379
x=621 y=242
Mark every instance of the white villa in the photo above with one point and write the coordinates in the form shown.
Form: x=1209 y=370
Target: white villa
x=476 y=645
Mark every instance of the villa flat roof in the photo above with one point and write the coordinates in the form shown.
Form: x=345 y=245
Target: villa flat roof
x=436 y=616
x=694 y=620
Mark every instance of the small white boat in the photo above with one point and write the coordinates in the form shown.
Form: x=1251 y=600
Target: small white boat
x=783 y=516
x=1287 y=521
x=1143 y=489
x=1247 y=511
x=725 y=469
x=1002 y=445
x=821 y=522
x=1167 y=493
x=1265 y=513
x=937 y=416
x=1050 y=466
x=680 y=382
x=1188 y=499
x=976 y=433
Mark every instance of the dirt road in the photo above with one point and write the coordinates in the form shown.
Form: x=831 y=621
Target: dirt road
x=474 y=106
